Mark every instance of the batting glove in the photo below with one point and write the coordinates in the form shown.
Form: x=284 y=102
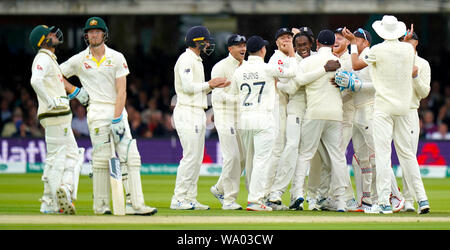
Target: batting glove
x=342 y=78
x=58 y=103
x=118 y=128
x=81 y=94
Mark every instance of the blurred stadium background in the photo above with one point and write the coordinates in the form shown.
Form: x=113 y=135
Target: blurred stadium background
x=150 y=33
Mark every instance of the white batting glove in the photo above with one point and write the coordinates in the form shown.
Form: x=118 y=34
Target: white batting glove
x=81 y=94
x=118 y=128
x=58 y=103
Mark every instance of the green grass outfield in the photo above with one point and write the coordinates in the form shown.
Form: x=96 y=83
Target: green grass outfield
x=19 y=209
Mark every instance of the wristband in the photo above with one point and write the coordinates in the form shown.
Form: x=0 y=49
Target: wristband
x=354 y=49
x=74 y=93
x=116 y=120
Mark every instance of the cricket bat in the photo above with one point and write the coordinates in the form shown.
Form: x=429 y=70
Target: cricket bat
x=115 y=177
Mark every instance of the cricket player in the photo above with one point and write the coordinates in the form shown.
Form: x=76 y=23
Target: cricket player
x=421 y=89
x=295 y=110
x=225 y=120
x=322 y=123
x=64 y=158
x=391 y=64
x=189 y=115
x=253 y=84
x=102 y=72
x=340 y=50
x=364 y=157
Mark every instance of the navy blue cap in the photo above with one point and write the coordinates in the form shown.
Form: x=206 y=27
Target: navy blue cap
x=283 y=31
x=306 y=30
x=326 y=37
x=197 y=33
x=236 y=39
x=255 y=43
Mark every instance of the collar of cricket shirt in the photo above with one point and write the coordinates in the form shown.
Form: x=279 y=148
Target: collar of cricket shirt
x=106 y=57
x=324 y=50
x=48 y=52
x=192 y=53
x=233 y=60
x=255 y=58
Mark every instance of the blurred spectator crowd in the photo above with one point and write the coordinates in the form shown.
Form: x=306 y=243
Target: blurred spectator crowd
x=150 y=112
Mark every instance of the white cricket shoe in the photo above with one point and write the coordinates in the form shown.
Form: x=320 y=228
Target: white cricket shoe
x=64 y=200
x=328 y=204
x=341 y=206
x=397 y=203
x=352 y=206
x=276 y=207
x=146 y=210
x=424 y=207
x=231 y=206
x=379 y=209
x=252 y=206
x=409 y=207
x=198 y=206
x=48 y=206
x=313 y=205
x=181 y=205
x=215 y=191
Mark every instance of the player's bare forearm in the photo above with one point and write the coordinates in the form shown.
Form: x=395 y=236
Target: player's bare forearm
x=121 y=90
x=68 y=86
x=357 y=63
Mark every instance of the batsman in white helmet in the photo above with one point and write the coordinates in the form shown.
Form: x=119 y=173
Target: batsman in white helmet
x=64 y=158
x=225 y=119
x=102 y=72
x=189 y=115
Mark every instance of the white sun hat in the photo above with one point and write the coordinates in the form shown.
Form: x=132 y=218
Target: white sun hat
x=389 y=28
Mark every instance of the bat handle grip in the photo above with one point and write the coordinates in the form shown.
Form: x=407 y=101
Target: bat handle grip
x=113 y=149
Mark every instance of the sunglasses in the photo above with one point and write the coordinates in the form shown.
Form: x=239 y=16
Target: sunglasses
x=239 y=39
x=362 y=32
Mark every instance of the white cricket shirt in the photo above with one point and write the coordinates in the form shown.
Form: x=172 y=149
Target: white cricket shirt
x=225 y=109
x=367 y=93
x=99 y=79
x=324 y=101
x=190 y=85
x=391 y=63
x=47 y=81
x=421 y=84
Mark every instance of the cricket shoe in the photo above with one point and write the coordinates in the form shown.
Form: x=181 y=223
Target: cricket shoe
x=215 y=191
x=409 y=207
x=146 y=210
x=424 y=207
x=328 y=204
x=231 y=206
x=313 y=205
x=297 y=203
x=103 y=210
x=47 y=206
x=379 y=209
x=352 y=206
x=341 y=206
x=252 y=206
x=277 y=207
x=397 y=203
x=64 y=200
x=181 y=205
x=198 y=206
x=275 y=198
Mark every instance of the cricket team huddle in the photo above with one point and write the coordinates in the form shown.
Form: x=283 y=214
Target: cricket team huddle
x=279 y=122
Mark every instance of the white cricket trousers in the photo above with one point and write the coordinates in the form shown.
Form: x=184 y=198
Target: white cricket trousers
x=313 y=133
x=398 y=128
x=258 y=146
x=415 y=132
x=233 y=162
x=364 y=152
x=190 y=123
x=61 y=158
x=288 y=159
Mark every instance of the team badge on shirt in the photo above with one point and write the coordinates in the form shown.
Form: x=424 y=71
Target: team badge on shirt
x=87 y=66
x=125 y=66
x=187 y=71
x=280 y=62
x=39 y=67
